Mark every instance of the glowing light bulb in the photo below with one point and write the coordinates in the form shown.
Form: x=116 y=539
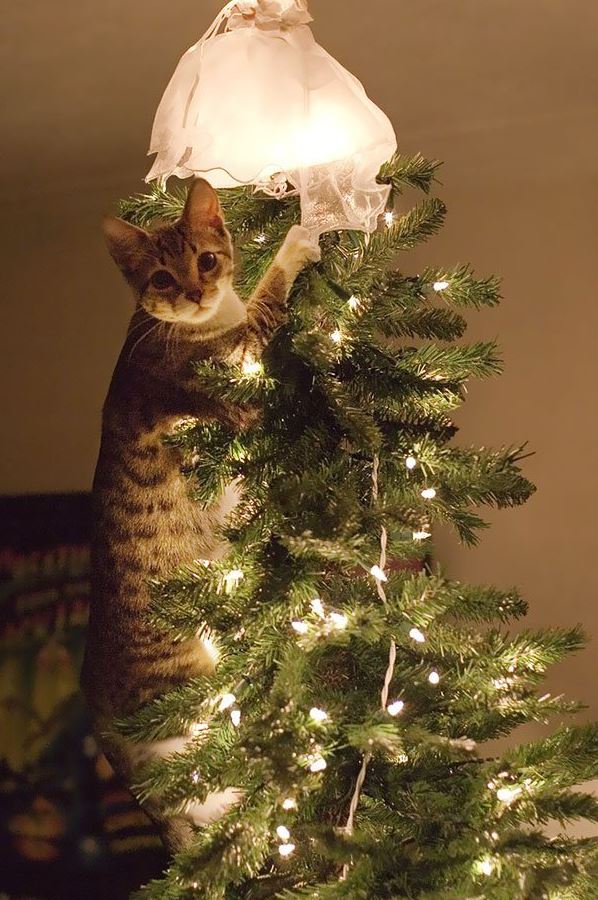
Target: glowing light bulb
x=185 y=422
x=378 y=573
x=354 y=303
x=260 y=238
x=300 y=627
x=396 y=708
x=421 y=535
x=416 y=635
x=286 y=849
x=464 y=743
x=429 y=493
x=232 y=579
x=283 y=833
x=318 y=764
x=197 y=728
x=318 y=607
x=251 y=366
x=434 y=678
x=318 y=715
x=440 y=286
x=235 y=717
x=211 y=647
x=195 y=777
x=508 y=795
x=339 y=620
x=289 y=804
x=337 y=336
x=486 y=866
x=411 y=462
x=389 y=218
x=226 y=702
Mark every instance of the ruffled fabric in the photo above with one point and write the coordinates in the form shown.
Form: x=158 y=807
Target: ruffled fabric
x=269 y=14
x=263 y=104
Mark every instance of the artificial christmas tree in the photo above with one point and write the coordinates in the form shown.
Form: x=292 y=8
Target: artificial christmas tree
x=355 y=685
x=352 y=697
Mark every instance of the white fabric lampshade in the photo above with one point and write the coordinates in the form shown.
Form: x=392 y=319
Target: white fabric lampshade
x=261 y=105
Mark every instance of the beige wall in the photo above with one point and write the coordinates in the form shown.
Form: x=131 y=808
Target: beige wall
x=506 y=92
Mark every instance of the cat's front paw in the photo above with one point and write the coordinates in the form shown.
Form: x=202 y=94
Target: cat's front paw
x=300 y=246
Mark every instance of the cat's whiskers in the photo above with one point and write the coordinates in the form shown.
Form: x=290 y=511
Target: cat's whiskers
x=171 y=339
x=145 y=335
x=147 y=318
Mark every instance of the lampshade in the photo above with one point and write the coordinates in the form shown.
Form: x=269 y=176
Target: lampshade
x=263 y=104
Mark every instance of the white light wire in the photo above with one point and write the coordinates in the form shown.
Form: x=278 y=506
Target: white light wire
x=392 y=657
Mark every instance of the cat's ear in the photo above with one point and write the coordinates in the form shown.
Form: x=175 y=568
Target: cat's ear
x=126 y=242
x=202 y=207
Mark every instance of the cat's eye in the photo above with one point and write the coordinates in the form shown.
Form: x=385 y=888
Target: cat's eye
x=207 y=261
x=162 y=280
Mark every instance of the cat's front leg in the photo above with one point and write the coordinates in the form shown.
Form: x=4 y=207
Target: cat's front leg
x=297 y=250
x=267 y=308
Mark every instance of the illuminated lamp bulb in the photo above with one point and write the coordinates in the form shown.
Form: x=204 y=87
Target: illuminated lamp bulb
x=486 y=866
x=389 y=218
x=411 y=462
x=300 y=627
x=303 y=131
x=339 y=620
x=283 y=833
x=434 y=678
x=251 y=366
x=289 y=804
x=260 y=238
x=318 y=715
x=508 y=795
x=318 y=764
x=429 y=493
x=232 y=579
x=286 y=849
x=197 y=728
x=378 y=573
x=226 y=702
x=396 y=708
x=337 y=336
x=235 y=717
x=440 y=286
x=318 y=607
x=416 y=635
x=421 y=535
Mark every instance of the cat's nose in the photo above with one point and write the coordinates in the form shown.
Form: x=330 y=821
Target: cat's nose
x=194 y=295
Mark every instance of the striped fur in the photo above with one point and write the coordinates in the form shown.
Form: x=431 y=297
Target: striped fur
x=145 y=523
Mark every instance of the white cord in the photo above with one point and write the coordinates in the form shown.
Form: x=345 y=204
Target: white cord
x=392 y=658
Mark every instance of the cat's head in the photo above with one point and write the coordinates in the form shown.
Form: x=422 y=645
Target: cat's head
x=180 y=272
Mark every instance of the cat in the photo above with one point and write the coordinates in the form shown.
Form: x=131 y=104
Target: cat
x=145 y=524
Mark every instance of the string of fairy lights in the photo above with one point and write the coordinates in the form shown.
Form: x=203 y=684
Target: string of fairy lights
x=328 y=621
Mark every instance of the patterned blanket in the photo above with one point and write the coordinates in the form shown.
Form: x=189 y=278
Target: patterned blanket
x=68 y=828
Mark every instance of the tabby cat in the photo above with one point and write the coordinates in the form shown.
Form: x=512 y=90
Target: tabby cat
x=146 y=525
